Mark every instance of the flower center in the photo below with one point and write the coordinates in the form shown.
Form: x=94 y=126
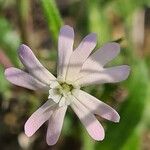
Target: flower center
x=65 y=88
x=61 y=92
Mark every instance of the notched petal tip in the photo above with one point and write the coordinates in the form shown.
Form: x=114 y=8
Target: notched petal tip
x=50 y=143
x=23 y=45
x=115 y=44
x=127 y=70
x=112 y=116
x=115 y=117
x=27 y=130
x=100 y=138
x=23 y=49
x=66 y=29
x=92 y=37
x=8 y=72
x=99 y=134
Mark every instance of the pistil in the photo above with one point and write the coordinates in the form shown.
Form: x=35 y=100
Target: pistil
x=61 y=92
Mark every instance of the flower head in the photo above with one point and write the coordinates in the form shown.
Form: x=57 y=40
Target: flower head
x=75 y=68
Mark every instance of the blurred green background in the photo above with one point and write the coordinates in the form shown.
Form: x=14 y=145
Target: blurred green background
x=37 y=23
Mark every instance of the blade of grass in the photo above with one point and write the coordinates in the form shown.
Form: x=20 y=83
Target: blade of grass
x=24 y=19
x=98 y=21
x=52 y=17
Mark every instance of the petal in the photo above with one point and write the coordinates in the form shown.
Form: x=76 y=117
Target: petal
x=23 y=79
x=54 y=84
x=55 y=125
x=90 y=122
x=108 y=75
x=62 y=102
x=79 y=55
x=96 y=106
x=33 y=66
x=101 y=57
x=39 y=117
x=53 y=94
x=65 y=49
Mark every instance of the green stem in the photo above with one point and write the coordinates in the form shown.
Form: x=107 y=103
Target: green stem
x=24 y=19
x=52 y=17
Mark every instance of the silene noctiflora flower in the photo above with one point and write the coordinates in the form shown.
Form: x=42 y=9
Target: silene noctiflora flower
x=76 y=68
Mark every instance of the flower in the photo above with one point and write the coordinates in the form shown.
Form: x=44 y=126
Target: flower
x=76 y=68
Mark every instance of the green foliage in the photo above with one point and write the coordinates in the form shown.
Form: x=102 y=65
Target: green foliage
x=131 y=110
x=89 y=16
x=9 y=40
x=3 y=82
x=98 y=21
x=133 y=142
x=52 y=17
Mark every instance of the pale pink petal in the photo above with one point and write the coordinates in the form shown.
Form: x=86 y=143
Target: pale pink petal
x=55 y=125
x=53 y=94
x=39 y=117
x=96 y=106
x=79 y=55
x=62 y=102
x=108 y=75
x=23 y=79
x=100 y=58
x=90 y=122
x=33 y=66
x=65 y=49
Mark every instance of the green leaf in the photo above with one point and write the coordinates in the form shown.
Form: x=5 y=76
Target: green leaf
x=98 y=21
x=9 y=40
x=52 y=17
x=131 y=111
x=133 y=143
x=3 y=81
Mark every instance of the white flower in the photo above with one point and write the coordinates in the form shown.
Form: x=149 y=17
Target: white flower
x=76 y=68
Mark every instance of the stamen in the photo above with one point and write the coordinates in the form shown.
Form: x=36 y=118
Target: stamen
x=60 y=92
